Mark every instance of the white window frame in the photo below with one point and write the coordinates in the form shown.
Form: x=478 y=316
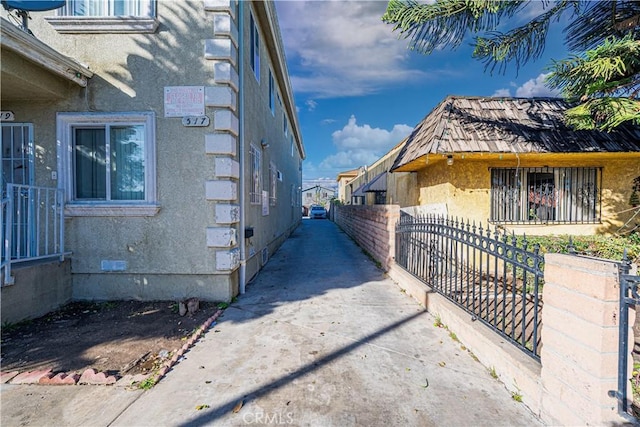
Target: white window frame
x=140 y=22
x=254 y=56
x=273 y=184
x=255 y=166
x=66 y=123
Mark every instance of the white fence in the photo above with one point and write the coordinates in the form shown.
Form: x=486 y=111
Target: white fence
x=32 y=225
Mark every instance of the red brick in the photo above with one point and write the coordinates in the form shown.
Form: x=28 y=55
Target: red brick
x=31 y=377
x=7 y=376
x=100 y=378
x=60 y=379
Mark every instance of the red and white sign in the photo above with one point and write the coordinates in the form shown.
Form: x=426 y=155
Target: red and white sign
x=181 y=101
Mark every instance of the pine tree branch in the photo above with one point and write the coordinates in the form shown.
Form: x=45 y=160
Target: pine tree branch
x=445 y=22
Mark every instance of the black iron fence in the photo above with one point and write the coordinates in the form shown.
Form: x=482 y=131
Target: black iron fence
x=490 y=275
x=629 y=298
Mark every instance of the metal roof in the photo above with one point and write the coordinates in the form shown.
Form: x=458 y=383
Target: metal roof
x=379 y=183
x=508 y=125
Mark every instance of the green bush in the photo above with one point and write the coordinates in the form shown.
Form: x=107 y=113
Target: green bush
x=607 y=247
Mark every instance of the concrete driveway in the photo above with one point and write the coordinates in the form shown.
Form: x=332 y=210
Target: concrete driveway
x=321 y=338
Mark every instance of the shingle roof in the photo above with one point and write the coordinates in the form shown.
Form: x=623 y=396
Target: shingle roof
x=508 y=125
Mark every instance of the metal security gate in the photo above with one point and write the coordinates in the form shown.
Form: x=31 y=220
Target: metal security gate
x=17 y=167
x=629 y=297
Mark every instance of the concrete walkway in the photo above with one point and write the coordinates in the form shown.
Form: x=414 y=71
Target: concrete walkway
x=321 y=338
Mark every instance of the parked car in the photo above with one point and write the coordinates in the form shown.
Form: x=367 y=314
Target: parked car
x=318 y=212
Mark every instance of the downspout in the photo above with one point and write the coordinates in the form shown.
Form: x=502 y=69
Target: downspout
x=241 y=156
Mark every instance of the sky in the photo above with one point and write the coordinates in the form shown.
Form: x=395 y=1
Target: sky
x=359 y=90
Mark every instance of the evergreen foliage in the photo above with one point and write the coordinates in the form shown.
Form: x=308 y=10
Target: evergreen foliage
x=603 y=78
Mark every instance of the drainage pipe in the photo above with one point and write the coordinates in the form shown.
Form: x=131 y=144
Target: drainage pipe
x=241 y=148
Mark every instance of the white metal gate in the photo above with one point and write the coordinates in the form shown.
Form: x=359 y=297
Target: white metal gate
x=17 y=167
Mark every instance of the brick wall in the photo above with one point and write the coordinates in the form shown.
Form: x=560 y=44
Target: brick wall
x=372 y=227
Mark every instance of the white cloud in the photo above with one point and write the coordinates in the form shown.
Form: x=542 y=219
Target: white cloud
x=502 y=92
x=311 y=104
x=530 y=89
x=342 y=48
x=536 y=87
x=358 y=145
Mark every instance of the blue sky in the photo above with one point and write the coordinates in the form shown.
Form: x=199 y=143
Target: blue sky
x=359 y=90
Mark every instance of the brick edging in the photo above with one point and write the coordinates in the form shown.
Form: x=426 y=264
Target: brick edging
x=92 y=377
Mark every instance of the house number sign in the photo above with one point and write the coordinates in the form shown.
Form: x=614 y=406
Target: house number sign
x=7 y=116
x=195 y=121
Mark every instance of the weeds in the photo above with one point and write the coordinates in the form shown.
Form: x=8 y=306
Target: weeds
x=635 y=381
x=516 y=395
x=10 y=326
x=453 y=336
x=438 y=322
x=108 y=305
x=222 y=305
x=147 y=384
x=493 y=373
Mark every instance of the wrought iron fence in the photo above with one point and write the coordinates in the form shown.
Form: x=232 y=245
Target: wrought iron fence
x=32 y=225
x=629 y=298
x=488 y=274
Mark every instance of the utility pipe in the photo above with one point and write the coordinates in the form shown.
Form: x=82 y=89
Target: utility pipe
x=241 y=184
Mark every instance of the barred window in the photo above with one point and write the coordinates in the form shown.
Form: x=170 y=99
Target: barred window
x=546 y=195
x=255 y=193
x=255 y=48
x=272 y=91
x=273 y=183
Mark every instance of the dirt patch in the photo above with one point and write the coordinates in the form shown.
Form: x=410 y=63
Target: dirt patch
x=118 y=337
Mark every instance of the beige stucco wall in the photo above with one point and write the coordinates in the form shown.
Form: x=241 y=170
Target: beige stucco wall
x=167 y=254
x=465 y=187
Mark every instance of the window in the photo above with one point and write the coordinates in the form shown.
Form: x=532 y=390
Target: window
x=272 y=89
x=106 y=16
x=380 y=197
x=292 y=151
x=285 y=126
x=109 y=8
x=255 y=48
x=255 y=192
x=273 y=183
x=107 y=163
x=543 y=195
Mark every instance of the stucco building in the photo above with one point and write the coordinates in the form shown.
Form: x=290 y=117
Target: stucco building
x=169 y=133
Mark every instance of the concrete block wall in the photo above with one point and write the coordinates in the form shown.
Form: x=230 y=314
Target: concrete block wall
x=372 y=227
x=580 y=340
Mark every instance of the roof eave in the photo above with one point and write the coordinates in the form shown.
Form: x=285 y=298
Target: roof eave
x=34 y=50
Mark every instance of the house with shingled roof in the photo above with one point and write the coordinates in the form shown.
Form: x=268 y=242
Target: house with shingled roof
x=513 y=162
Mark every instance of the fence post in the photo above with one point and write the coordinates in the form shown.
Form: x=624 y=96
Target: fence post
x=580 y=327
